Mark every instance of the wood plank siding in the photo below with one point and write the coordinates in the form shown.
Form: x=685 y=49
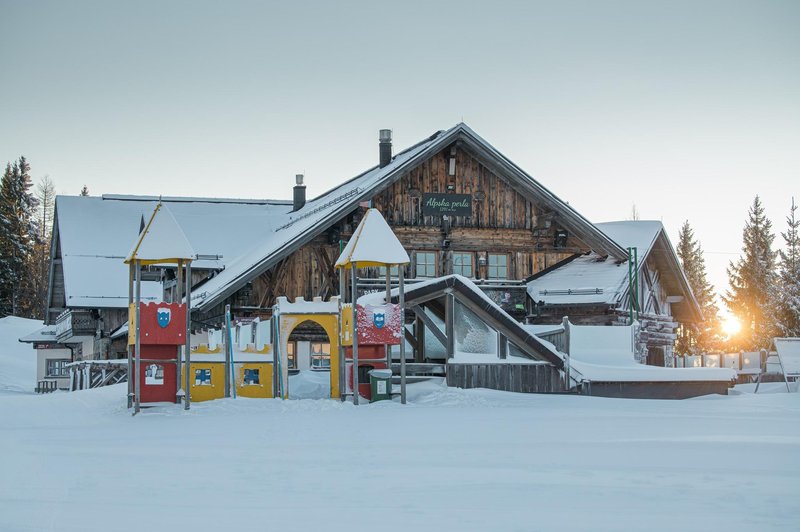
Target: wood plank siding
x=503 y=222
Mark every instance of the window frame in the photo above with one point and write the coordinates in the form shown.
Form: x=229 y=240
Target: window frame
x=291 y=354
x=62 y=371
x=203 y=371
x=426 y=265
x=497 y=267
x=252 y=371
x=322 y=355
x=394 y=272
x=461 y=266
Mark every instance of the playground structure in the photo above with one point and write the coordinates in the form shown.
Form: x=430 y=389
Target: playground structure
x=286 y=317
x=157 y=331
x=373 y=244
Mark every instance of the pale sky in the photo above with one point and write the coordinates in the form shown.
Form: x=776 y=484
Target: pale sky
x=687 y=109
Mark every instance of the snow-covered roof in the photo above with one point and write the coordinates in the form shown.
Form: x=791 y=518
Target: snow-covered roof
x=46 y=334
x=592 y=278
x=161 y=241
x=605 y=354
x=252 y=236
x=596 y=279
x=317 y=215
x=96 y=232
x=640 y=234
x=373 y=244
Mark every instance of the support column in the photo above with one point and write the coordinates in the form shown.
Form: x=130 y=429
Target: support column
x=354 y=297
x=129 y=369
x=187 y=350
x=176 y=298
x=449 y=324
x=565 y=324
x=137 y=385
x=342 y=358
x=402 y=300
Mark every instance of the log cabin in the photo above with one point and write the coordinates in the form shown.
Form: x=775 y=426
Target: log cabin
x=456 y=203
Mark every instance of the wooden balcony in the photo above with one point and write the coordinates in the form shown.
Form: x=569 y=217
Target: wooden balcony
x=77 y=322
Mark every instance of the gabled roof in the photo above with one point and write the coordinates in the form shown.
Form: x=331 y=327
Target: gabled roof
x=252 y=236
x=95 y=234
x=593 y=279
x=320 y=213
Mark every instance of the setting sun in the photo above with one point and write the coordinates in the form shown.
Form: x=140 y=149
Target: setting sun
x=731 y=325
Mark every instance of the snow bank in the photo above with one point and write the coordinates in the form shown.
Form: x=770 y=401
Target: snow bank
x=449 y=460
x=17 y=360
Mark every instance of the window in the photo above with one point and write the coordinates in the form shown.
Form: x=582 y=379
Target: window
x=57 y=368
x=154 y=375
x=251 y=377
x=202 y=377
x=498 y=266
x=392 y=272
x=320 y=355
x=462 y=264
x=291 y=354
x=426 y=264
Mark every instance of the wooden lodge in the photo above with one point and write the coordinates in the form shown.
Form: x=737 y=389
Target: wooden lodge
x=456 y=204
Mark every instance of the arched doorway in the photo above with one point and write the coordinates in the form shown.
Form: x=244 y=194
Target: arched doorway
x=308 y=354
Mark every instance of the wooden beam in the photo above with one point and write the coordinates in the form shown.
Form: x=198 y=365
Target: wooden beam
x=420 y=313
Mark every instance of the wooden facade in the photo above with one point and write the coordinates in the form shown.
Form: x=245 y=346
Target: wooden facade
x=504 y=222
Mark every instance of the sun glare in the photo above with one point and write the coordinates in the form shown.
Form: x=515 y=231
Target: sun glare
x=731 y=325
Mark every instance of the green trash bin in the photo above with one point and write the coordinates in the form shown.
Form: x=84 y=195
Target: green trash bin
x=380 y=384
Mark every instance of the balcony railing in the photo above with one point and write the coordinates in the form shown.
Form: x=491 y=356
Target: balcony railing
x=77 y=322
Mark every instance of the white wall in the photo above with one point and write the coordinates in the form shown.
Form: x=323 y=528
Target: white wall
x=42 y=355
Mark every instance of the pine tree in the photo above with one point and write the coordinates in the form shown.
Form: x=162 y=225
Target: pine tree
x=752 y=280
x=704 y=336
x=17 y=237
x=787 y=295
x=85 y=191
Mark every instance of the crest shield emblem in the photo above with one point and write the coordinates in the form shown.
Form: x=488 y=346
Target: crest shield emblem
x=379 y=319
x=163 y=315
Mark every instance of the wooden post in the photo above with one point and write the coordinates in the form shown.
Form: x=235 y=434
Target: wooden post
x=502 y=347
x=274 y=337
x=419 y=329
x=177 y=299
x=138 y=338
x=565 y=323
x=131 y=280
x=387 y=347
x=187 y=350
x=228 y=348
x=342 y=359
x=354 y=297
x=449 y=324
x=402 y=301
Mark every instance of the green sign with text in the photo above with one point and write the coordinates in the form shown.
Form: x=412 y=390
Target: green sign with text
x=446 y=204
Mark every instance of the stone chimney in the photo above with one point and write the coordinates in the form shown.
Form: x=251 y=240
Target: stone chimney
x=299 y=193
x=385 y=145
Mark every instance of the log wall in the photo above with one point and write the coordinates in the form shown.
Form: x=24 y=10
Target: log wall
x=524 y=378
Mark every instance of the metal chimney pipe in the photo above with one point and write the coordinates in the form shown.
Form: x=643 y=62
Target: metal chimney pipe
x=385 y=146
x=299 y=193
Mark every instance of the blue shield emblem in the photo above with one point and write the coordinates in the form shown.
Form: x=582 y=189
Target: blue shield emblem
x=163 y=315
x=379 y=319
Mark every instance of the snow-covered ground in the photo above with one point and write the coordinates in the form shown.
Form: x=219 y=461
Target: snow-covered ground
x=17 y=360
x=450 y=460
